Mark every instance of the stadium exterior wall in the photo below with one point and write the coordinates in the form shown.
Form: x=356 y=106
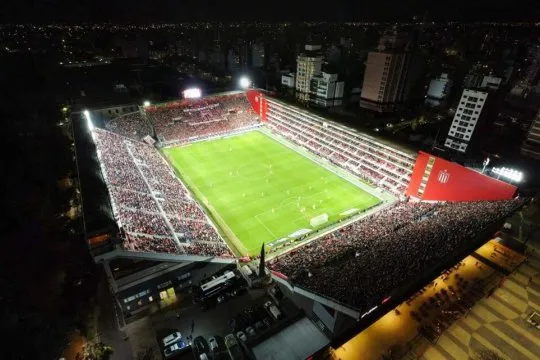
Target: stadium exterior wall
x=436 y=179
x=258 y=103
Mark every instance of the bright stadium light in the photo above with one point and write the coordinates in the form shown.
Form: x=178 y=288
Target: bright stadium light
x=146 y=103
x=88 y=120
x=193 y=93
x=509 y=174
x=244 y=82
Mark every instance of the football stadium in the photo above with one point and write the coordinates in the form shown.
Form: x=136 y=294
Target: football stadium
x=345 y=219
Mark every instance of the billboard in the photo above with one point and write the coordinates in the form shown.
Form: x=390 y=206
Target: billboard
x=438 y=179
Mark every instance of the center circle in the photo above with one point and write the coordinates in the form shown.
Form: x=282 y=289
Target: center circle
x=254 y=172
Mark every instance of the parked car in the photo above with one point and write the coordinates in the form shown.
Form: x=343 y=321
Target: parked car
x=230 y=340
x=234 y=350
x=272 y=310
x=174 y=348
x=259 y=325
x=172 y=338
x=241 y=336
x=250 y=331
x=213 y=344
x=200 y=345
x=267 y=322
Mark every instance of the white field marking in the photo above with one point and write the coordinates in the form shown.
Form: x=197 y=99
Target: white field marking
x=267 y=229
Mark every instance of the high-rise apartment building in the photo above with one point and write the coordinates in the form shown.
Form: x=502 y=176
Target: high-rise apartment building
x=466 y=119
x=233 y=60
x=257 y=55
x=308 y=64
x=531 y=145
x=386 y=74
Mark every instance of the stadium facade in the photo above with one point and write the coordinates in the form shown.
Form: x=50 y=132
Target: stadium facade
x=141 y=217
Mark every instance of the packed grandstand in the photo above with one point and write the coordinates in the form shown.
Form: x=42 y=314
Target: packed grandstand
x=156 y=212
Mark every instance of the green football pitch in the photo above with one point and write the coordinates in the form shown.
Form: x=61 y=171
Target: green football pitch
x=259 y=190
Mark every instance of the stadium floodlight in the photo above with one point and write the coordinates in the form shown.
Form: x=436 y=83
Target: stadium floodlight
x=244 y=82
x=88 y=120
x=146 y=103
x=192 y=93
x=507 y=173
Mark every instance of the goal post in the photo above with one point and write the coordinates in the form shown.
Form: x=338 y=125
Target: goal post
x=319 y=220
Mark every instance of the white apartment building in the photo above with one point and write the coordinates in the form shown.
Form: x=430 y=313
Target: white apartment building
x=326 y=90
x=465 y=120
x=531 y=145
x=287 y=80
x=308 y=64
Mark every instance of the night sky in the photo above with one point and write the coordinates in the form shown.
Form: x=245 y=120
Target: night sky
x=144 y=11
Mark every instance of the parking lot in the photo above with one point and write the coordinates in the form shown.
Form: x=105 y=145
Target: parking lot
x=243 y=315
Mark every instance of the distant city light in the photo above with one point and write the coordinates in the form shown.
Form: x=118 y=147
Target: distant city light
x=192 y=93
x=146 y=103
x=510 y=174
x=244 y=82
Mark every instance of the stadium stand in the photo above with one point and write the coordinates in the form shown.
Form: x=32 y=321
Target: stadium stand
x=192 y=119
x=153 y=208
x=363 y=262
x=364 y=156
x=133 y=125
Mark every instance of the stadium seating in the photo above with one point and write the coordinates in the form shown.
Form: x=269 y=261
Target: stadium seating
x=362 y=263
x=154 y=210
x=191 y=119
x=364 y=156
x=133 y=125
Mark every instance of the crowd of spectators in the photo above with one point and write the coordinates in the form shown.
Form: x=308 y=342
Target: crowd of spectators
x=154 y=209
x=365 y=158
x=190 y=119
x=133 y=125
x=362 y=263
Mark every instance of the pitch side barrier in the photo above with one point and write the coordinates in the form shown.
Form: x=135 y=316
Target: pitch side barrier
x=312 y=236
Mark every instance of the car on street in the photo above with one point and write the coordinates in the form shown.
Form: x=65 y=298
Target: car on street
x=171 y=338
x=241 y=336
x=213 y=343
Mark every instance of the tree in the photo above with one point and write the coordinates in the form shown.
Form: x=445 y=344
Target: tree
x=97 y=351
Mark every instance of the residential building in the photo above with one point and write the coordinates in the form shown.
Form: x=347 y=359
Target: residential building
x=257 y=55
x=308 y=64
x=287 y=80
x=531 y=145
x=326 y=90
x=438 y=90
x=386 y=74
x=233 y=61
x=466 y=119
